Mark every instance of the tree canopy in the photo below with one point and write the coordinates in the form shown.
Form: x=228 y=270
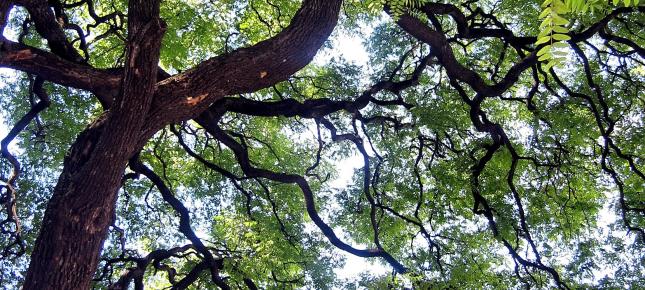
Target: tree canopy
x=190 y=144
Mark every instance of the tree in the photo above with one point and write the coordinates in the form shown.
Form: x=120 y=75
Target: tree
x=196 y=145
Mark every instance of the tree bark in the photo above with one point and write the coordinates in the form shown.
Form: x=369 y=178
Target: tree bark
x=82 y=206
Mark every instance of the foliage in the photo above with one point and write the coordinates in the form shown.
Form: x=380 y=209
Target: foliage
x=503 y=151
x=554 y=30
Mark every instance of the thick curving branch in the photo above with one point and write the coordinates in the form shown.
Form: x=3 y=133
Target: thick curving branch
x=58 y=70
x=184 y=96
x=317 y=108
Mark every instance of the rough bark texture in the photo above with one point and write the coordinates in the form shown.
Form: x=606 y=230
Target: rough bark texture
x=58 y=70
x=82 y=207
x=61 y=259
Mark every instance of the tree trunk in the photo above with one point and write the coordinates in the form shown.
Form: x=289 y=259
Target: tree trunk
x=77 y=217
x=82 y=207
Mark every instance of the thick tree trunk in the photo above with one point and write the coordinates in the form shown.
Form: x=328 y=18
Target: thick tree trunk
x=82 y=207
x=77 y=217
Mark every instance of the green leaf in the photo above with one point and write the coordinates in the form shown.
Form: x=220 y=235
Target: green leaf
x=560 y=9
x=545 y=56
x=561 y=37
x=544 y=50
x=543 y=39
x=560 y=29
x=546 y=12
x=558 y=20
x=560 y=44
x=546 y=22
x=549 y=65
x=422 y=168
x=546 y=31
